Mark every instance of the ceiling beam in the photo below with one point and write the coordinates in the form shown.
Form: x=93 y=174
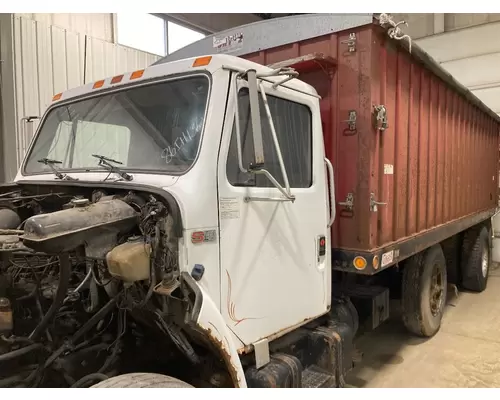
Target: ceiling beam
x=211 y=23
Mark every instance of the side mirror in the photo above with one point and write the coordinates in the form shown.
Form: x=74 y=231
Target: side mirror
x=26 y=126
x=256 y=121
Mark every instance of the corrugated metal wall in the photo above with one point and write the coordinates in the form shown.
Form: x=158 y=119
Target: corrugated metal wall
x=97 y=25
x=40 y=60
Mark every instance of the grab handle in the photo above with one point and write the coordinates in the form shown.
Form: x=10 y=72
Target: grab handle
x=331 y=181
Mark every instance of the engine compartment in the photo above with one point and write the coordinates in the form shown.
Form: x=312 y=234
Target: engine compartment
x=90 y=288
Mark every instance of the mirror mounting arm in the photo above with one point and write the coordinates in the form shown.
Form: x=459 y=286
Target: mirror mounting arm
x=257 y=166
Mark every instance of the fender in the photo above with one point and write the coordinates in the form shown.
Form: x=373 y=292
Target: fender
x=211 y=323
x=208 y=320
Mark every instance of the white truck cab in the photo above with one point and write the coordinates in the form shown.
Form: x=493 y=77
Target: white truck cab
x=238 y=148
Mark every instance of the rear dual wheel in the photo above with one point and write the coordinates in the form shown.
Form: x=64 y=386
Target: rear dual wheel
x=475 y=263
x=424 y=292
x=425 y=285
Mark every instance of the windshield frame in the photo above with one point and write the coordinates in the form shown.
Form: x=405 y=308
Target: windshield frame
x=128 y=86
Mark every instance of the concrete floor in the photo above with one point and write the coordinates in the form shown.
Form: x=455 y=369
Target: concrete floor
x=464 y=353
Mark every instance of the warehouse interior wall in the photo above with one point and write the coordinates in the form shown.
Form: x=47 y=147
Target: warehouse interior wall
x=40 y=60
x=422 y=25
x=8 y=163
x=97 y=25
x=474 y=62
x=104 y=25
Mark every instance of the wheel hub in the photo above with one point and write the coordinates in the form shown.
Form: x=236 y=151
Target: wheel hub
x=437 y=290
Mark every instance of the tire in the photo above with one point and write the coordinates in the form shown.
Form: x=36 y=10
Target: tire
x=142 y=380
x=424 y=279
x=476 y=258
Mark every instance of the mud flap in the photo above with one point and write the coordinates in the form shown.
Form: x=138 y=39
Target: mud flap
x=338 y=339
x=495 y=240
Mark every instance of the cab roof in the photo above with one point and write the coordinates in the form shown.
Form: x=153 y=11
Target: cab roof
x=209 y=63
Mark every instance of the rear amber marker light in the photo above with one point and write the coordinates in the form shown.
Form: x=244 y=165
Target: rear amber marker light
x=359 y=263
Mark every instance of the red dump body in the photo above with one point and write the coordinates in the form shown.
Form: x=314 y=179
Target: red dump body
x=437 y=161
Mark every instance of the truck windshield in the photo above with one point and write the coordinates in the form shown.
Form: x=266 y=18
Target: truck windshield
x=154 y=127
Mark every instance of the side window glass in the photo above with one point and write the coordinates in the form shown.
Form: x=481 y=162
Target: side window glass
x=293 y=125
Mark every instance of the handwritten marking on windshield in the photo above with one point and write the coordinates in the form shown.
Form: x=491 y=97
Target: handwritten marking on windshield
x=171 y=151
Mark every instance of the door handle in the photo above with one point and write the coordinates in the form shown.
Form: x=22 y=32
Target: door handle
x=331 y=181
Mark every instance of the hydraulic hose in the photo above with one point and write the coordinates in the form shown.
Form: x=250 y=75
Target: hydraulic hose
x=16 y=339
x=20 y=352
x=62 y=289
x=93 y=294
x=20 y=378
x=110 y=305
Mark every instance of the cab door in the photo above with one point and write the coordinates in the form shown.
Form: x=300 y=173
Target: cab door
x=275 y=267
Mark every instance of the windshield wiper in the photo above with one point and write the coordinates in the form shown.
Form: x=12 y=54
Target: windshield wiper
x=50 y=163
x=105 y=162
